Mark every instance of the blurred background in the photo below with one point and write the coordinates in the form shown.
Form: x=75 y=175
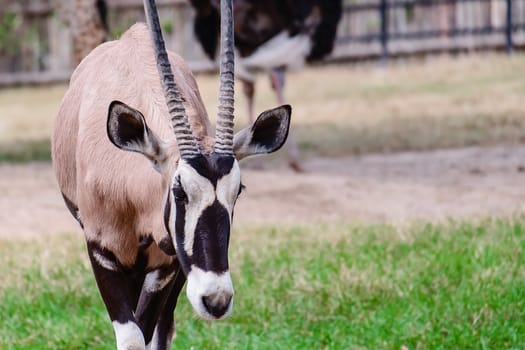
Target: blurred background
x=39 y=39
x=393 y=220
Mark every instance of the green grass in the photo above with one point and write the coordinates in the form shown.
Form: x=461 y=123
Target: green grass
x=452 y=286
x=25 y=151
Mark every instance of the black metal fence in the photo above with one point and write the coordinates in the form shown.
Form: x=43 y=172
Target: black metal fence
x=390 y=27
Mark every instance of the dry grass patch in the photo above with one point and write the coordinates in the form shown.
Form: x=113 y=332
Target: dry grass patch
x=27 y=113
x=348 y=109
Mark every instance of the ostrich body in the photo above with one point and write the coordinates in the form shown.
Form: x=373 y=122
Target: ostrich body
x=271 y=35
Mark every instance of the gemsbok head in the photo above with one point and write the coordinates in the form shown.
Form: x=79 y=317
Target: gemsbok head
x=156 y=209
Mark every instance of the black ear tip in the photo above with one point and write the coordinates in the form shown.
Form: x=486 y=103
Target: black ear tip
x=115 y=103
x=288 y=109
x=111 y=124
x=116 y=106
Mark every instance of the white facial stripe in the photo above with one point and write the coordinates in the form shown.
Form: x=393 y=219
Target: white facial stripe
x=173 y=216
x=153 y=283
x=104 y=262
x=228 y=188
x=204 y=283
x=128 y=335
x=201 y=195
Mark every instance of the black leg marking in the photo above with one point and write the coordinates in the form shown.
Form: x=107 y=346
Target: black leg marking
x=157 y=286
x=116 y=288
x=136 y=274
x=111 y=282
x=165 y=325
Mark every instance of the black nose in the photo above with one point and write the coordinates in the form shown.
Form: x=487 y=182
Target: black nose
x=217 y=304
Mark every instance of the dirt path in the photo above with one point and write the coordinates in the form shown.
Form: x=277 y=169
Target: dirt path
x=394 y=188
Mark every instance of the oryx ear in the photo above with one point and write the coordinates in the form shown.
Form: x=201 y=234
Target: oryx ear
x=266 y=135
x=127 y=129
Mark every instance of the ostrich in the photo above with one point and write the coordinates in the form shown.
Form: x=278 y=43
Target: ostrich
x=271 y=35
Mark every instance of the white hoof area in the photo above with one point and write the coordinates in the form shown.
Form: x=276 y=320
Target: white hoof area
x=153 y=345
x=129 y=336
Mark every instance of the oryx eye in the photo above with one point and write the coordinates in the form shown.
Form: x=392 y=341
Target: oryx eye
x=241 y=188
x=178 y=192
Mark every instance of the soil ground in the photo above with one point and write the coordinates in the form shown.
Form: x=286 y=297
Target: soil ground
x=386 y=188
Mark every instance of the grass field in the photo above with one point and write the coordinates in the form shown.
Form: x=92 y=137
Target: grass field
x=453 y=286
x=342 y=110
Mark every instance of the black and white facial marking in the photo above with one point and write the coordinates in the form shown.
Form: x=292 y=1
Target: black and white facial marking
x=203 y=194
x=199 y=205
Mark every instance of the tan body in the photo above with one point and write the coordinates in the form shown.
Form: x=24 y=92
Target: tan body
x=120 y=191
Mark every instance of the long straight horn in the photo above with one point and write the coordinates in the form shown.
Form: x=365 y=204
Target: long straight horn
x=224 y=129
x=179 y=120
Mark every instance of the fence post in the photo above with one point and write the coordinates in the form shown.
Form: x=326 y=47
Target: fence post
x=508 y=29
x=383 y=9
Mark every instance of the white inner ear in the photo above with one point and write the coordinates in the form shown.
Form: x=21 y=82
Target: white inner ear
x=200 y=196
x=228 y=188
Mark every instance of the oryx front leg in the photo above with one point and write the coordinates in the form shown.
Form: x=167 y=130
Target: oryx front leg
x=165 y=328
x=112 y=284
x=155 y=291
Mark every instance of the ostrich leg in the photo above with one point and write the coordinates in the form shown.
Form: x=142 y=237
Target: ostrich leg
x=277 y=80
x=248 y=87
